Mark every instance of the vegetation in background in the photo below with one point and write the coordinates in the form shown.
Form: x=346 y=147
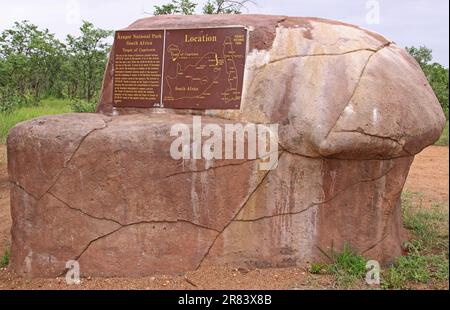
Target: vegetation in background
x=34 y=65
x=443 y=141
x=187 y=7
x=437 y=74
x=47 y=107
x=83 y=106
x=86 y=58
x=226 y=7
x=30 y=62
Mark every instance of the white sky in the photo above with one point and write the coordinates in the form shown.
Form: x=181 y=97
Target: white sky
x=407 y=22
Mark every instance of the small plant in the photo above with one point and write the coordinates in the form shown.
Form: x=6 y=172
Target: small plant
x=348 y=267
x=317 y=268
x=5 y=259
x=82 y=106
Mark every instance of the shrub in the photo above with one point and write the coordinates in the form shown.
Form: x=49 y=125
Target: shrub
x=8 y=101
x=82 y=106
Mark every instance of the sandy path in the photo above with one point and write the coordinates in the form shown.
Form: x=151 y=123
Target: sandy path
x=429 y=175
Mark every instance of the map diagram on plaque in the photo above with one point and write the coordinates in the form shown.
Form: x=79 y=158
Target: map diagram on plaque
x=205 y=71
x=195 y=80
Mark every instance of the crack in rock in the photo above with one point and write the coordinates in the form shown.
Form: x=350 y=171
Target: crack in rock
x=67 y=163
x=134 y=223
x=345 y=159
x=235 y=216
x=211 y=169
x=315 y=204
x=362 y=132
x=137 y=224
x=23 y=189
x=357 y=86
x=373 y=50
x=386 y=233
x=244 y=162
x=83 y=212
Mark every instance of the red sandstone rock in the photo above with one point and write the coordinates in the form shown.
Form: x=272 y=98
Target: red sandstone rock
x=353 y=111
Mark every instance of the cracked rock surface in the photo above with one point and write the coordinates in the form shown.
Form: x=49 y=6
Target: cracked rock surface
x=353 y=110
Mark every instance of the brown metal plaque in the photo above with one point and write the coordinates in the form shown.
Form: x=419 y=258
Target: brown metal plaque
x=204 y=68
x=138 y=60
x=180 y=69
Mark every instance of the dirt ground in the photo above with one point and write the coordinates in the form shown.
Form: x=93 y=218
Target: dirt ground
x=429 y=176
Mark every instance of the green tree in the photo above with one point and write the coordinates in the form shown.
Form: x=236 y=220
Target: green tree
x=184 y=7
x=187 y=7
x=423 y=55
x=34 y=64
x=226 y=6
x=31 y=59
x=437 y=75
x=86 y=59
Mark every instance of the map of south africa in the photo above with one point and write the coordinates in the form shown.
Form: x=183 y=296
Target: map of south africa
x=199 y=76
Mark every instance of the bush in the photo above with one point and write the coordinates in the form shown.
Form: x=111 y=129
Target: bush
x=8 y=101
x=83 y=106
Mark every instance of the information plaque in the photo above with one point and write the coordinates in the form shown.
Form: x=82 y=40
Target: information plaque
x=180 y=69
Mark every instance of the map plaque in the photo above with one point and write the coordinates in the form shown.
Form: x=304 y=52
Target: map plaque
x=180 y=68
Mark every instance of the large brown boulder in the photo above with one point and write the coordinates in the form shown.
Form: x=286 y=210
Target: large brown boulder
x=353 y=110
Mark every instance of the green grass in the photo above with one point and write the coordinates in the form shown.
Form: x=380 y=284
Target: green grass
x=427 y=261
x=4 y=262
x=443 y=141
x=429 y=225
x=348 y=268
x=317 y=268
x=47 y=107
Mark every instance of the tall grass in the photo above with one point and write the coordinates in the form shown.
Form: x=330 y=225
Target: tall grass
x=47 y=107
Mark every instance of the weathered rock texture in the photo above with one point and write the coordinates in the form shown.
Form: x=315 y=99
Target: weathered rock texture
x=353 y=110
